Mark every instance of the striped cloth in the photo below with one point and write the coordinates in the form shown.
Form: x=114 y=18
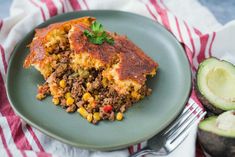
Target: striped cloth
x=21 y=140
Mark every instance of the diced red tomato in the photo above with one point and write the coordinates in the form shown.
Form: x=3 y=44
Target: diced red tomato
x=107 y=108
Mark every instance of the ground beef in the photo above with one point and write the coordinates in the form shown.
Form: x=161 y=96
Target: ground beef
x=61 y=68
x=77 y=89
x=111 y=116
x=105 y=101
x=63 y=102
x=43 y=91
x=80 y=103
x=71 y=108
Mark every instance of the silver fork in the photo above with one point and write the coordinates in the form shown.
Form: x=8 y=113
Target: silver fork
x=170 y=138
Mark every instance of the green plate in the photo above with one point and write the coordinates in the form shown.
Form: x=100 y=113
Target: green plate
x=171 y=88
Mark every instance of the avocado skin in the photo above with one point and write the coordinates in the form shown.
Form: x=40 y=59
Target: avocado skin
x=206 y=103
x=215 y=145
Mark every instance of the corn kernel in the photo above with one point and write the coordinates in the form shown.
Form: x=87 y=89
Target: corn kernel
x=62 y=83
x=119 y=116
x=59 y=56
x=83 y=112
x=96 y=116
x=67 y=95
x=40 y=96
x=55 y=101
x=89 y=117
x=69 y=101
x=135 y=94
x=88 y=85
x=91 y=100
x=89 y=106
x=104 y=82
x=86 y=96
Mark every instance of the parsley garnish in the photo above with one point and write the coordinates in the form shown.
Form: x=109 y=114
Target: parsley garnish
x=98 y=35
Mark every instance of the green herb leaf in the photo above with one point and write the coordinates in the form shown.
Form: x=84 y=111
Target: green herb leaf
x=110 y=40
x=97 y=40
x=97 y=27
x=98 y=35
x=87 y=33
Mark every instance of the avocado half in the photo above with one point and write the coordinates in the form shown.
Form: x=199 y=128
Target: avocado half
x=217 y=134
x=215 y=85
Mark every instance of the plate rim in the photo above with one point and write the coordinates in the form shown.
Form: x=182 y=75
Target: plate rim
x=89 y=146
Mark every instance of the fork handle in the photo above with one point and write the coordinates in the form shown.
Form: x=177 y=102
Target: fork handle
x=142 y=152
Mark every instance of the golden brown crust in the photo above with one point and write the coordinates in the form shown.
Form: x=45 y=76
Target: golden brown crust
x=37 y=47
x=42 y=32
x=79 y=43
x=134 y=63
x=37 y=53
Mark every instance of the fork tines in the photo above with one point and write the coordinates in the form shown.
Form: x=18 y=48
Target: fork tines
x=184 y=122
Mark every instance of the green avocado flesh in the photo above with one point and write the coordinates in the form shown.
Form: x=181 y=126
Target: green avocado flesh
x=211 y=125
x=216 y=82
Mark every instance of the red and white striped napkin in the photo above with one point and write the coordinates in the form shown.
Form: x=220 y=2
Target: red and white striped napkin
x=21 y=140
